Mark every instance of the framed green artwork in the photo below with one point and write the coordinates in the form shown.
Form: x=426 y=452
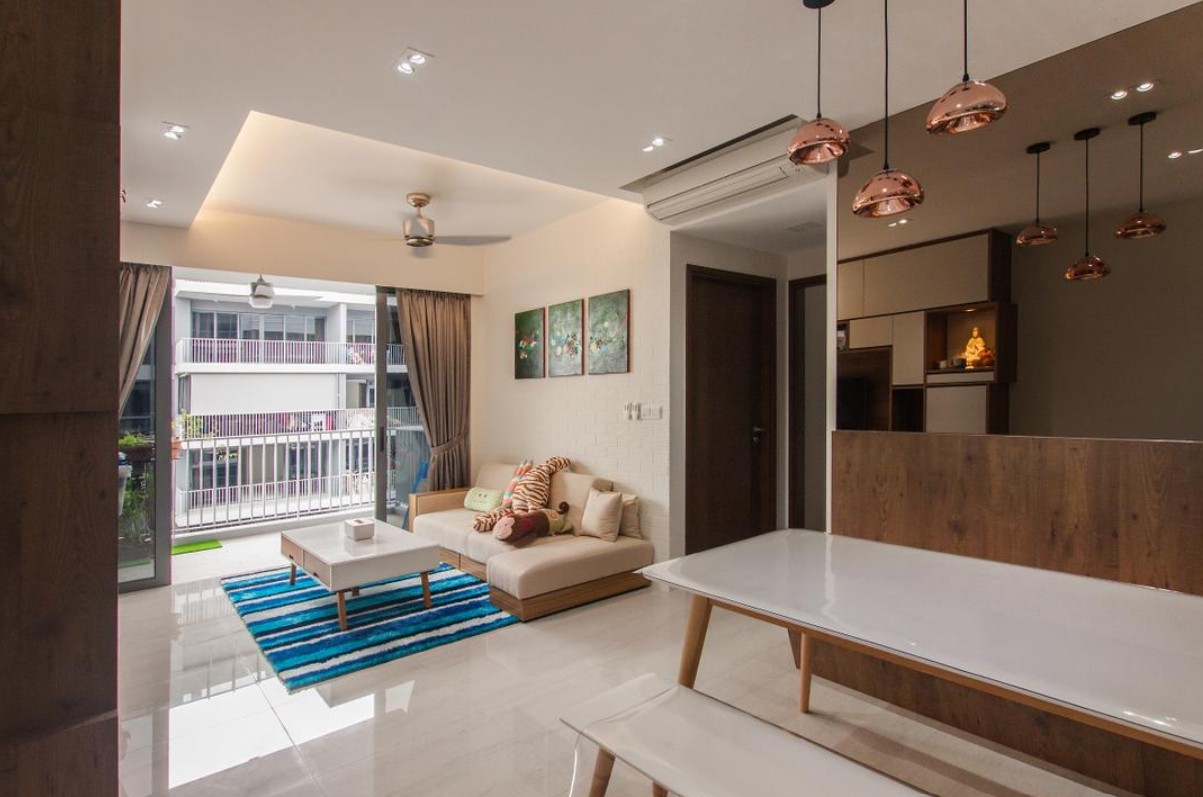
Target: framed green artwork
x=528 y=344
x=565 y=336
x=609 y=333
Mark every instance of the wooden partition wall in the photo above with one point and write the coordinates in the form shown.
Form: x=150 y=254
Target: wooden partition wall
x=1128 y=510
x=59 y=154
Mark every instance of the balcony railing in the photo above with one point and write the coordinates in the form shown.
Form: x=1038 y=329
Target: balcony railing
x=190 y=351
x=254 y=424
x=267 y=474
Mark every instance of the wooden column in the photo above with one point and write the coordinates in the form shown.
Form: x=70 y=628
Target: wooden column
x=1126 y=510
x=59 y=159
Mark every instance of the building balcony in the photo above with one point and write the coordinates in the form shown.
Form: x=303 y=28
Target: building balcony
x=223 y=354
x=196 y=431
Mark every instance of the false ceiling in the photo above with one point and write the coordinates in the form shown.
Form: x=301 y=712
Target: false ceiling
x=557 y=91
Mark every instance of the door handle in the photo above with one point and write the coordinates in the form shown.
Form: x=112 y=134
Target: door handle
x=756 y=433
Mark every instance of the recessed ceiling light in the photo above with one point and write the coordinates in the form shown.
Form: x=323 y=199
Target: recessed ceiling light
x=405 y=67
x=648 y=148
x=411 y=59
x=1119 y=94
x=1146 y=86
x=1175 y=155
x=658 y=141
x=174 y=131
x=417 y=58
x=1194 y=151
x=904 y=221
x=154 y=204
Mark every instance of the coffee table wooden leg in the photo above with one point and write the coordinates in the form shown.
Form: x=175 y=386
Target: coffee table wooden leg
x=601 y=774
x=795 y=645
x=426 y=589
x=695 y=638
x=659 y=791
x=292 y=576
x=342 y=611
x=807 y=655
x=354 y=592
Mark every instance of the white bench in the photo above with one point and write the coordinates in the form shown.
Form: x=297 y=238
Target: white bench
x=695 y=746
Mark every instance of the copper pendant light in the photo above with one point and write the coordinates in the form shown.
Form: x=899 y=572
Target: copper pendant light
x=1037 y=234
x=1141 y=224
x=889 y=192
x=969 y=105
x=1088 y=267
x=822 y=140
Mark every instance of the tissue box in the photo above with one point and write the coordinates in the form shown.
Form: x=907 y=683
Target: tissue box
x=361 y=528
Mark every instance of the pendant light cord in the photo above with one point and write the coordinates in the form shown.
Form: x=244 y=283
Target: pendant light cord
x=886 y=163
x=819 y=71
x=965 y=41
x=1142 y=167
x=1037 y=188
x=1088 y=197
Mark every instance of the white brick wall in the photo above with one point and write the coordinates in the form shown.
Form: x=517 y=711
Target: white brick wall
x=609 y=247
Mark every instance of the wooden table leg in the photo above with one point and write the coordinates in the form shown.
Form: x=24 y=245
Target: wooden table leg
x=426 y=590
x=795 y=645
x=354 y=592
x=659 y=791
x=807 y=655
x=695 y=638
x=342 y=611
x=601 y=774
x=292 y=576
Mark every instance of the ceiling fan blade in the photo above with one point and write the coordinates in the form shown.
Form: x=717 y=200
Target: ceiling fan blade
x=471 y=240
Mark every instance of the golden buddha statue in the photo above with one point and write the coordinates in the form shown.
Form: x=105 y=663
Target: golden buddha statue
x=975 y=349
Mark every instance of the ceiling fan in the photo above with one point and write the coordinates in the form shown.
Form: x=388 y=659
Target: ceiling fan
x=419 y=230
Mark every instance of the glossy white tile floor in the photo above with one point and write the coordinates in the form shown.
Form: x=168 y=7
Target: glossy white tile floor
x=202 y=713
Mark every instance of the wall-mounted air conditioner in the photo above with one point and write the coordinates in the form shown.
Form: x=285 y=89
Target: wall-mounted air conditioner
x=752 y=169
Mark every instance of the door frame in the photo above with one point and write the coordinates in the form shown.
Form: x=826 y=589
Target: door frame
x=797 y=388
x=769 y=286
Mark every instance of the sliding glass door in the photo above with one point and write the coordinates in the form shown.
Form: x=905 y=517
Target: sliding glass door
x=403 y=455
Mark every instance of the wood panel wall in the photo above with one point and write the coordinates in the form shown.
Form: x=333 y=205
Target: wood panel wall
x=1127 y=510
x=59 y=159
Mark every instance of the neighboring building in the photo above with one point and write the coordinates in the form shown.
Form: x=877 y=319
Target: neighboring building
x=276 y=407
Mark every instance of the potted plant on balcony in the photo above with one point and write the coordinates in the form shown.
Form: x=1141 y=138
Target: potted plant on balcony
x=138 y=448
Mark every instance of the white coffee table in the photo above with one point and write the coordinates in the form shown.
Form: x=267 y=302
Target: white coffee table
x=343 y=565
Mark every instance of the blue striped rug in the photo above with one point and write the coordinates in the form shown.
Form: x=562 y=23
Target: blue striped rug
x=297 y=627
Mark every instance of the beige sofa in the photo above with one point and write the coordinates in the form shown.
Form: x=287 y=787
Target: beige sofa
x=545 y=576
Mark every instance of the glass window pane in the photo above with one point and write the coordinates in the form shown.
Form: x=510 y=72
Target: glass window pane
x=294 y=327
x=227 y=326
x=202 y=325
x=249 y=325
x=273 y=327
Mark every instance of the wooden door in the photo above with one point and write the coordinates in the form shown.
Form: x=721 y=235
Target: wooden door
x=730 y=407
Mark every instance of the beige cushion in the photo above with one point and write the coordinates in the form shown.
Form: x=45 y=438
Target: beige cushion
x=603 y=515
x=483 y=546
x=449 y=528
x=553 y=563
x=629 y=526
x=573 y=488
x=495 y=475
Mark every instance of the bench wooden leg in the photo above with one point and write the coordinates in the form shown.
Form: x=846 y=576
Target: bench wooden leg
x=601 y=774
x=426 y=589
x=806 y=655
x=342 y=611
x=695 y=638
x=795 y=645
x=659 y=791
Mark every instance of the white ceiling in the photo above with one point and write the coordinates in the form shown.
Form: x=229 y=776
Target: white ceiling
x=785 y=223
x=297 y=171
x=560 y=91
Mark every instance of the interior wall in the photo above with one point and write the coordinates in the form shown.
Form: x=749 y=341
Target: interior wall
x=1116 y=357
x=688 y=250
x=807 y=262
x=612 y=246
x=251 y=244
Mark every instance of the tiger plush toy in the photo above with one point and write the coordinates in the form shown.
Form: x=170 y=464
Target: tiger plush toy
x=531 y=494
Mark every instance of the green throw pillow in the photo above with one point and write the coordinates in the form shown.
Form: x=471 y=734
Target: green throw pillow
x=482 y=499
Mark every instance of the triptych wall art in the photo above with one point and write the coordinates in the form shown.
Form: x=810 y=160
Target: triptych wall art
x=564 y=339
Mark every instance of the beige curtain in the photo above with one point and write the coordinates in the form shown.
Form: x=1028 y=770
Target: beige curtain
x=142 y=290
x=436 y=331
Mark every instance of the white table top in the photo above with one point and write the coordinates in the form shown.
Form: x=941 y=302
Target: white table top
x=1127 y=653
x=328 y=543
x=693 y=745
